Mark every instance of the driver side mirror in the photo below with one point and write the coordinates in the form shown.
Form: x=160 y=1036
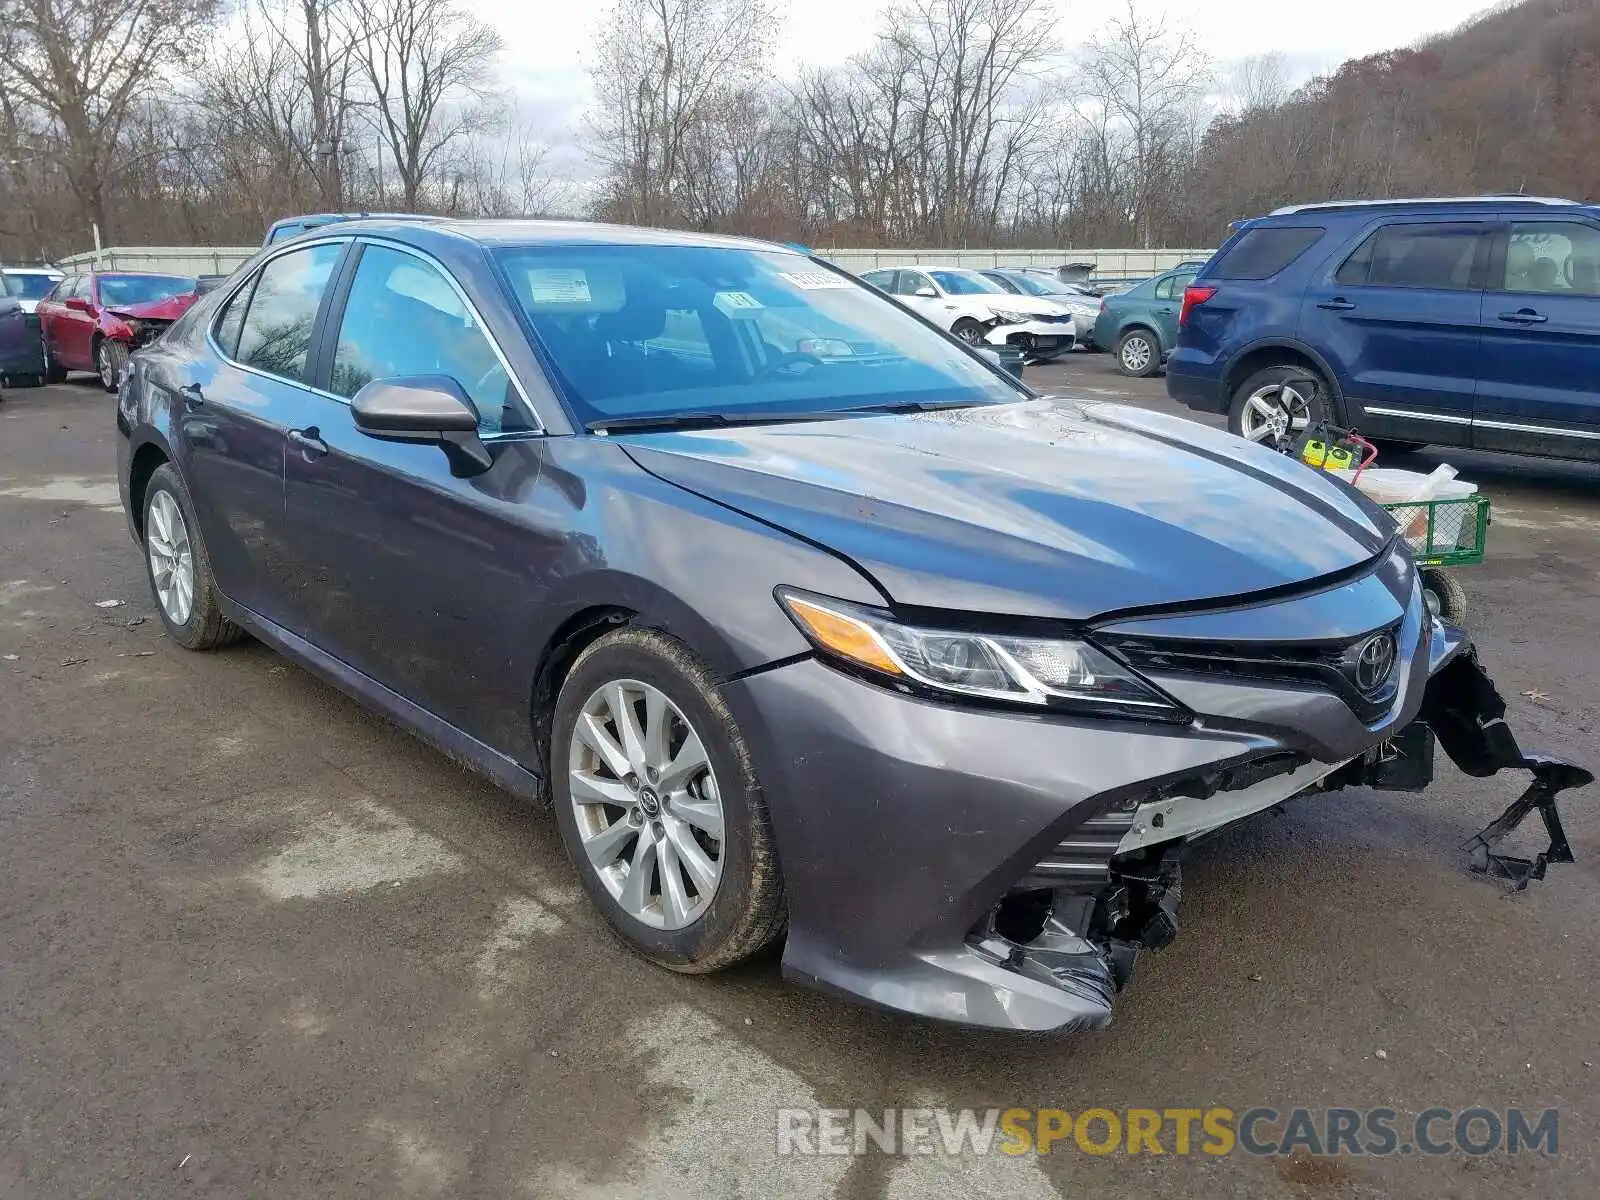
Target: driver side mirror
x=926 y=292
x=424 y=408
x=79 y=304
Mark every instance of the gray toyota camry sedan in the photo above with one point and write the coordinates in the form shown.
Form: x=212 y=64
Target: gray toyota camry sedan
x=810 y=622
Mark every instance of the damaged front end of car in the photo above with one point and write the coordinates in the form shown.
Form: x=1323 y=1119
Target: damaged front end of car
x=1081 y=917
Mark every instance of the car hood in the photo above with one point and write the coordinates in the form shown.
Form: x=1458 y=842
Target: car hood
x=169 y=309
x=1011 y=302
x=1041 y=508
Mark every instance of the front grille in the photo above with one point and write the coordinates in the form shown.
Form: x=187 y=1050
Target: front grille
x=1329 y=664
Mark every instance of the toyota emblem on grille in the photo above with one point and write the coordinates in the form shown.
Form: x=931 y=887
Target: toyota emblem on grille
x=1374 y=659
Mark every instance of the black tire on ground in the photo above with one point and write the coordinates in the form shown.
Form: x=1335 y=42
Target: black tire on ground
x=109 y=358
x=53 y=371
x=968 y=331
x=1444 y=596
x=1270 y=380
x=206 y=627
x=747 y=911
x=1138 y=353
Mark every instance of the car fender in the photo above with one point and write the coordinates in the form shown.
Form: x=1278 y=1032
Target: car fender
x=1295 y=345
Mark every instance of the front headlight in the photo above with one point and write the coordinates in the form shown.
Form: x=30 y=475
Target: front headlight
x=1011 y=318
x=1021 y=670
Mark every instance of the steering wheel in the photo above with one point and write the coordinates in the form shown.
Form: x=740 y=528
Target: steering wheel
x=783 y=362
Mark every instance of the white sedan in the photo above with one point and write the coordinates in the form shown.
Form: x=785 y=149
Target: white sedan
x=978 y=310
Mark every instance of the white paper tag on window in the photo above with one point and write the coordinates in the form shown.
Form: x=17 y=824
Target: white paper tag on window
x=558 y=285
x=813 y=280
x=736 y=304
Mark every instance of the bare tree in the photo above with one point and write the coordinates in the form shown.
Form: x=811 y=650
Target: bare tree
x=80 y=65
x=1143 y=77
x=662 y=70
x=430 y=68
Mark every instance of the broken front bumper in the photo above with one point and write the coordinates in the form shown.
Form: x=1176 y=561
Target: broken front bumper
x=1006 y=868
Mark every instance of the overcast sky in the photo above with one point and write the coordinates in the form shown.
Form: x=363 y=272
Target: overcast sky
x=547 y=41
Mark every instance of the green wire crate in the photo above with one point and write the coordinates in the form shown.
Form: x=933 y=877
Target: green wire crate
x=1444 y=533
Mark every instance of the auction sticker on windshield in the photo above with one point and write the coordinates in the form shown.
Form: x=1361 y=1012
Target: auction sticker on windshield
x=735 y=304
x=558 y=285
x=812 y=280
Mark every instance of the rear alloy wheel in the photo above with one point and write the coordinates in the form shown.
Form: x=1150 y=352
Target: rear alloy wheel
x=1276 y=405
x=1138 y=354
x=968 y=331
x=658 y=805
x=180 y=572
x=109 y=359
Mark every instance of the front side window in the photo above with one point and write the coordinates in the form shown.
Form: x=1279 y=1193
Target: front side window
x=662 y=331
x=883 y=280
x=912 y=282
x=82 y=288
x=404 y=318
x=1553 y=258
x=1439 y=257
x=117 y=291
x=276 y=334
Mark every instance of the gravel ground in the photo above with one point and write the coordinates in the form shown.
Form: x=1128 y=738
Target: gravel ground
x=256 y=942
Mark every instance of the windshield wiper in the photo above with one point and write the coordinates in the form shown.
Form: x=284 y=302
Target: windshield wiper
x=660 y=422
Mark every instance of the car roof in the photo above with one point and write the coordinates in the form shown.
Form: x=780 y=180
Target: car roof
x=1426 y=202
x=140 y=274
x=32 y=271
x=538 y=232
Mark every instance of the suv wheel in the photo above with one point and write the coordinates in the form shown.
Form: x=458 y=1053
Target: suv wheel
x=659 y=807
x=1274 y=406
x=1138 y=353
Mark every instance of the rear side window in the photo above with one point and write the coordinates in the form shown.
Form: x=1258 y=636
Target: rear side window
x=1172 y=287
x=276 y=335
x=226 y=330
x=1262 y=253
x=1440 y=257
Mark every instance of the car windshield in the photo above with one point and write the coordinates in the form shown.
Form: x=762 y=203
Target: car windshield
x=665 y=331
x=965 y=283
x=1042 y=285
x=142 y=289
x=29 y=285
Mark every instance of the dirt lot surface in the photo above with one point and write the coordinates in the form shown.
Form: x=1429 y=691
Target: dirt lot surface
x=255 y=942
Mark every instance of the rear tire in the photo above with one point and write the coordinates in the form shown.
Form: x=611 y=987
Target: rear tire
x=614 y=822
x=1263 y=412
x=1138 y=354
x=53 y=371
x=179 y=569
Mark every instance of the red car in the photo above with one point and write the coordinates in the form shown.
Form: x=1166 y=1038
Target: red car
x=93 y=321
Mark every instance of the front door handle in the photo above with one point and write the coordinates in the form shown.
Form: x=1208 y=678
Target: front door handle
x=1524 y=316
x=310 y=441
x=1337 y=304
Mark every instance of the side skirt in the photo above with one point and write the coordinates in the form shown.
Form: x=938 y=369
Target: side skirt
x=440 y=734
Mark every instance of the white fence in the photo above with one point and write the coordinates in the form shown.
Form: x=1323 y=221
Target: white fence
x=221 y=260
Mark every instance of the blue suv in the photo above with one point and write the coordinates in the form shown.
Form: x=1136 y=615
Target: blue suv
x=1465 y=322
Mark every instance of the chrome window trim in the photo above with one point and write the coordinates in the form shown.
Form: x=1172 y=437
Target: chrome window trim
x=249 y=279
x=483 y=327
x=1515 y=427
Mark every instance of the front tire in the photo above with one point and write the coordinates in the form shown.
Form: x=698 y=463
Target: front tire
x=109 y=358
x=1270 y=409
x=179 y=569
x=1138 y=353
x=969 y=331
x=659 y=807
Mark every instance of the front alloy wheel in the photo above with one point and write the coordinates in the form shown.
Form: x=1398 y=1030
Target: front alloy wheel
x=109 y=358
x=659 y=807
x=646 y=804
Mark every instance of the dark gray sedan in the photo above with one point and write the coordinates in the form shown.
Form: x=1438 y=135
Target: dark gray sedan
x=810 y=621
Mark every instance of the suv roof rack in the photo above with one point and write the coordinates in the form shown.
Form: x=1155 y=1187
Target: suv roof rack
x=1491 y=198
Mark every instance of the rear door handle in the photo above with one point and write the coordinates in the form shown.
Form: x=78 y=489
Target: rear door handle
x=1337 y=304
x=310 y=441
x=1166 y=311
x=1524 y=316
